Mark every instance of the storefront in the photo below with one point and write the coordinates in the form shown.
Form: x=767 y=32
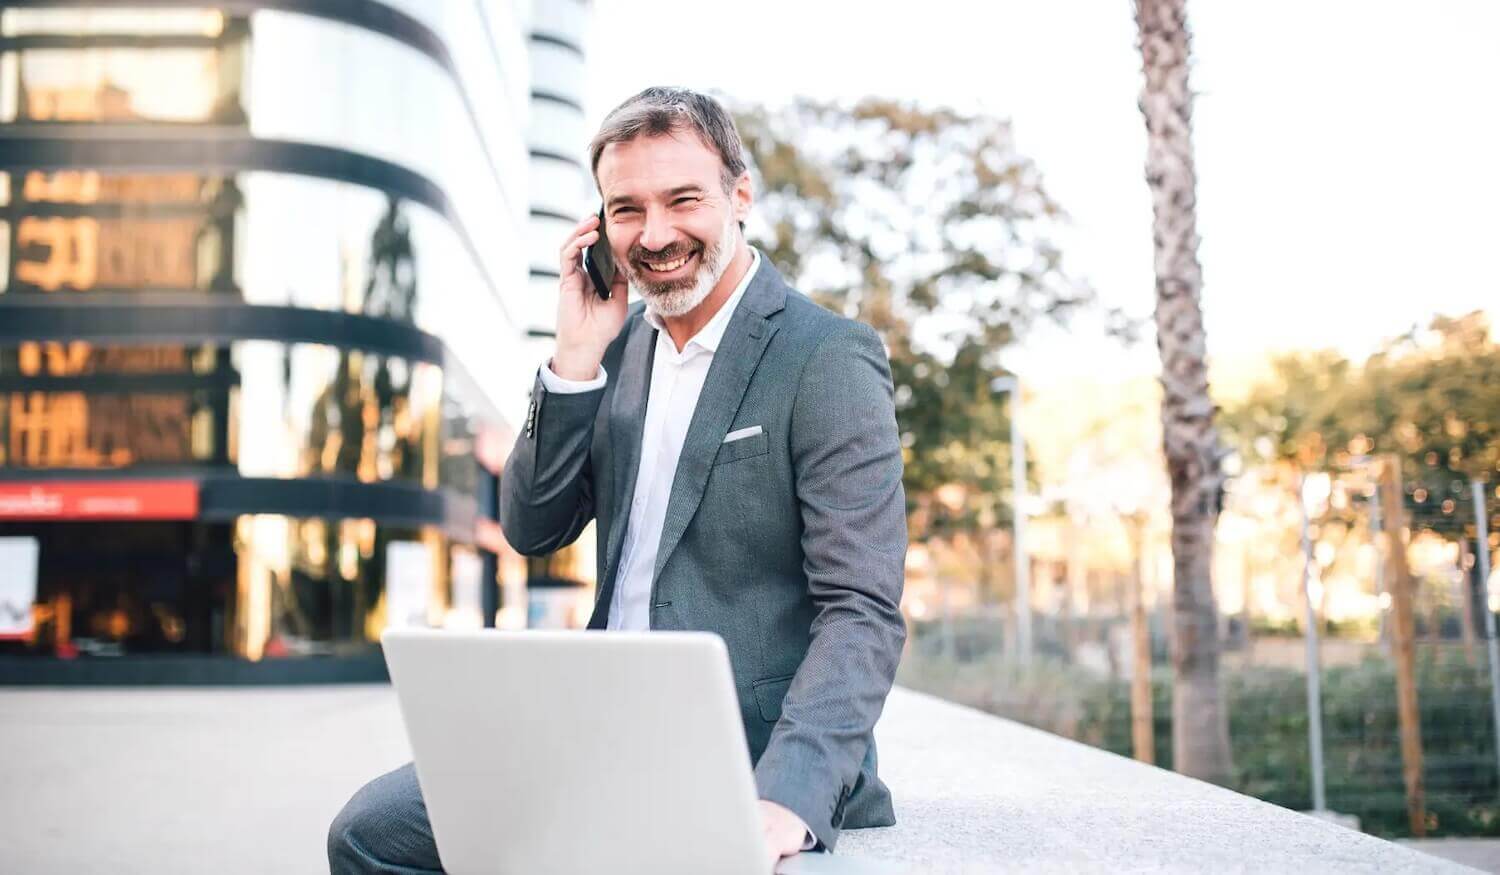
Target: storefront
x=138 y=580
x=262 y=344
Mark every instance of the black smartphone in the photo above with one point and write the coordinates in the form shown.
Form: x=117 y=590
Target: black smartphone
x=599 y=262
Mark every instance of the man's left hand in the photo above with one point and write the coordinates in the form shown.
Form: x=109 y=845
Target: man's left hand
x=785 y=832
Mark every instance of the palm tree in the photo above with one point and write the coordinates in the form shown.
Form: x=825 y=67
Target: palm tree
x=1200 y=734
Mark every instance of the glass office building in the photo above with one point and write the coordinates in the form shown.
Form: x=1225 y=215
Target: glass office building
x=268 y=318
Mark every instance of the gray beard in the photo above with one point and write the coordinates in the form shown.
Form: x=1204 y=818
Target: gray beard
x=680 y=302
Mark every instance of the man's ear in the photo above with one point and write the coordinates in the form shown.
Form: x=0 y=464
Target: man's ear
x=743 y=197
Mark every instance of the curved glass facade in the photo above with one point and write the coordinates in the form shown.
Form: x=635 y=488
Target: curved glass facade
x=265 y=408
x=265 y=297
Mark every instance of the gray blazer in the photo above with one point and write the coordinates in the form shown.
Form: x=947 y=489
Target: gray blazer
x=790 y=544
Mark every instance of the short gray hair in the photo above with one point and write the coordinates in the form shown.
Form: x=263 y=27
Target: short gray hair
x=658 y=111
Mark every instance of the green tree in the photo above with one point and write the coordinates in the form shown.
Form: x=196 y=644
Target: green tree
x=1432 y=397
x=1301 y=414
x=930 y=227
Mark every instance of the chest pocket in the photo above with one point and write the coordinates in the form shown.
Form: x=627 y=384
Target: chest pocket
x=744 y=448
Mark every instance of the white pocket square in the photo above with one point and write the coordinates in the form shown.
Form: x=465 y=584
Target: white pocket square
x=741 y=434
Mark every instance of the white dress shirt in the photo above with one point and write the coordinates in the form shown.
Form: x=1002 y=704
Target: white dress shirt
x=677 y=379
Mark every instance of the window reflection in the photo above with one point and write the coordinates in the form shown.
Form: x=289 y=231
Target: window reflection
x=96 y=430
x=271 y=409
x=78 y=405
x=262 y=587
x=313 y=586
x=163 y=590
x=80 y=230
x=352 y=249
x=376 y=417
x=121 y=68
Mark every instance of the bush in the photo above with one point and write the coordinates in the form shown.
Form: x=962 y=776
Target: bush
x=1268 y=730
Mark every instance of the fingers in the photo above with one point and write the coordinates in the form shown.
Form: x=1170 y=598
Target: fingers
x=576 y=244
x=585 y=233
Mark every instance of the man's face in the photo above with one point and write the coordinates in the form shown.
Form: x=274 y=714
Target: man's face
x=672 y=228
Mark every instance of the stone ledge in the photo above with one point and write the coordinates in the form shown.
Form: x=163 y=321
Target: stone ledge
x=975 y=793
x=247 y=780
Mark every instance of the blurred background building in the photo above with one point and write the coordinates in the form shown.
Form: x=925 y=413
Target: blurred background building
x=275 y=281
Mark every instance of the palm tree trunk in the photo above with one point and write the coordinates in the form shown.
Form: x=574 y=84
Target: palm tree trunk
x=1200 y=735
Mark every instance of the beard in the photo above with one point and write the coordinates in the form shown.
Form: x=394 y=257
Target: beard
x=670 y=299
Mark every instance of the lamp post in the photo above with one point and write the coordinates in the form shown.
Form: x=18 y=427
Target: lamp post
x=1482 y=529
x=1012 y=384
x=1314 y=493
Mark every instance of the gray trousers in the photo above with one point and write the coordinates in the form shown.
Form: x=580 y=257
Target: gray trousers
x=384 y=829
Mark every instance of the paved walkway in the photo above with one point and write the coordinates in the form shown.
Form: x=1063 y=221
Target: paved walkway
x=209 y=780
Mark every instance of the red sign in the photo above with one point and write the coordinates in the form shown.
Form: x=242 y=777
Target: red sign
x=103 y=500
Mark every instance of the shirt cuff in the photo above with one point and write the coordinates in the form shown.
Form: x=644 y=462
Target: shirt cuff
x=558 y=386
x=811 y=841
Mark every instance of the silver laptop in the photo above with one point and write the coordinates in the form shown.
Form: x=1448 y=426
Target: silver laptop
x=574 y=752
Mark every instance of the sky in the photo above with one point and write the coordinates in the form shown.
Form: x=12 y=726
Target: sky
x=1348 y=150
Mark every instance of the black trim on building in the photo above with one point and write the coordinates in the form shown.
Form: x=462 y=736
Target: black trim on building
x=392 y=503
x=553 y=97
x=143 y=317
x=556 y=156
x=561 y=42
x=129 y=317
x=224 y=150
x=191 y=670
x=213 y=149
x=544 y=213
x=115 y=210
x=120 y=383
x=56 y=41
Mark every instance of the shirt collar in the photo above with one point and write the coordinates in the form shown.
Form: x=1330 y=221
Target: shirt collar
x=710 y=335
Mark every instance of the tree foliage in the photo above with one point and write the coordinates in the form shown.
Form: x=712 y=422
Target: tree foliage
x=1432 y=396
x=928 y=225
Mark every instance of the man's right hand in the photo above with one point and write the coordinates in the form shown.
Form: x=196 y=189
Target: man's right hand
x=585 y=324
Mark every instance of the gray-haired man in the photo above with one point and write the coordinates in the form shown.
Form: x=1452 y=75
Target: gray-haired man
x=736 y=446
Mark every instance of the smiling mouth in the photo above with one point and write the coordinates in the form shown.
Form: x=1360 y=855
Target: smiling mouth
x=667 y=266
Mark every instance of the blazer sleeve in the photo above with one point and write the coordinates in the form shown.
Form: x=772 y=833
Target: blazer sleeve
x=547 y=489
x=846 y=458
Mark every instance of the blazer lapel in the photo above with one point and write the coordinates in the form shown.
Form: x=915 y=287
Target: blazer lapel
x=627 y=421
x=739 y=354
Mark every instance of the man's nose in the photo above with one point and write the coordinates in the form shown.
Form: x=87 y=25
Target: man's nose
x=658 y=233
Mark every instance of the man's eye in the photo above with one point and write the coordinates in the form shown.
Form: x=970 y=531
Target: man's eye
x=684 y=200
x=620 y=211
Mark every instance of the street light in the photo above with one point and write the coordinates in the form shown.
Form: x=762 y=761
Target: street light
x=1012 y=384
x=1315 y=491
x=1482 y=543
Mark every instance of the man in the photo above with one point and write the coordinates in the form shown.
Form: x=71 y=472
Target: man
x=736 y=446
